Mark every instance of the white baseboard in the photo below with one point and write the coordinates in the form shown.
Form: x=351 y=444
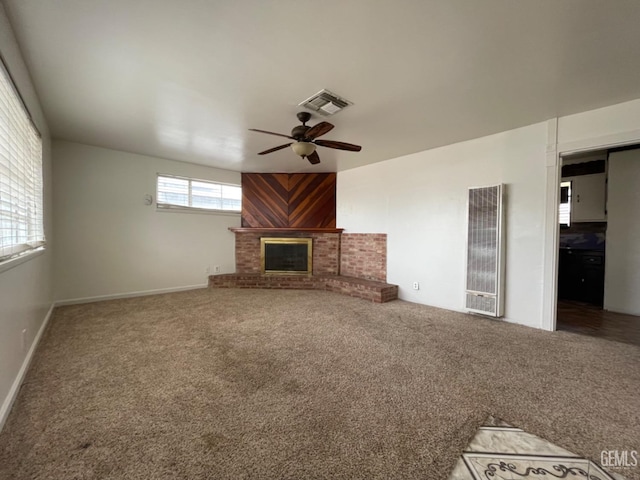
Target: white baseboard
x=115 y=296
x=15 y=387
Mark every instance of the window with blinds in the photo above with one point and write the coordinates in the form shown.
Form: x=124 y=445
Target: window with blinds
x=21 y=209
x=565 y=204
x=188 y=193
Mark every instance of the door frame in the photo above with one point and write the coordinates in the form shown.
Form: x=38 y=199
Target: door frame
x=555 y=152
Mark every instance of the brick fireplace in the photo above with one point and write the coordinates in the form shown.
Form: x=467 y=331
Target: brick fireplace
x=362 y=256
x=326 y=248
x=281 y=205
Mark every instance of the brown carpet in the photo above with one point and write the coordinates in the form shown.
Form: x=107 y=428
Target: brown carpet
x=302 y=384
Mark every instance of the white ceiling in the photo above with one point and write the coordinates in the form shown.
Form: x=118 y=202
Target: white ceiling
x=185 y=80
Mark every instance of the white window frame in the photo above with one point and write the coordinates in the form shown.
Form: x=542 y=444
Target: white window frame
x=171 y=207
x=21 y=178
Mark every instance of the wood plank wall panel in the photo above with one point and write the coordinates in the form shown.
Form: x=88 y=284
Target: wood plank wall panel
x=276 y=200
x=265 y=200
x=312 y=200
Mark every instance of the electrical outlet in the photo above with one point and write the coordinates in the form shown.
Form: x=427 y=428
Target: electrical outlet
x=24 y=339
x=207 y=270
x=416 y=286
x=216 y=269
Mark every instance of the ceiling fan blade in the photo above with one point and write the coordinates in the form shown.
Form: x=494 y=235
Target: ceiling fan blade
x=339 y=145
x=314 y=159
x=275 y=149
x=318 y=130
x=271 y=133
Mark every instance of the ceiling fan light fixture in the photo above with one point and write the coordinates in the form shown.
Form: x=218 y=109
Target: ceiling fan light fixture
x=303 y=149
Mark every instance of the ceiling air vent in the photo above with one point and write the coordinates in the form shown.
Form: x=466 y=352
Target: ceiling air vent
x=325 y=103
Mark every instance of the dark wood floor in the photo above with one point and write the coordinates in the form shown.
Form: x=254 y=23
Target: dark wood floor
x=593 y=320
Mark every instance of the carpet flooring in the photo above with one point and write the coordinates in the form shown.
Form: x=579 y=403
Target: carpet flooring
x=252 y=384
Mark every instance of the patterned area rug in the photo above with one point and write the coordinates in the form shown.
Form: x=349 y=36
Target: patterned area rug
x=500 y=451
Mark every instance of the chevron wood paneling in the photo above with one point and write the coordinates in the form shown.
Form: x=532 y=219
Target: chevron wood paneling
x=265 y=200
x=276 y=200
x=312 y=200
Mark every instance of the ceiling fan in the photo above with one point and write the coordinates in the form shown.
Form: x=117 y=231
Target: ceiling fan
x=305 y=139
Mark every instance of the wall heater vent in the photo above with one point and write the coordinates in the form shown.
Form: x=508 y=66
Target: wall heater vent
x=485 y=251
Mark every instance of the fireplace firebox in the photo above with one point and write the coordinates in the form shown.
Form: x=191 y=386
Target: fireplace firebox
x=286 y=255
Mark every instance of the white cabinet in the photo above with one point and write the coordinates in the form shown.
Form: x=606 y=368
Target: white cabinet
x=588 y=197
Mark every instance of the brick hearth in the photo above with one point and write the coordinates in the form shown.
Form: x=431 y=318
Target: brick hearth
x=375 y=291
x=352 y=264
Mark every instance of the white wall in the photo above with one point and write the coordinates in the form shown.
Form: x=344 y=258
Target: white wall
x=111 y=243
x=420 y=201
x=622 y=266
x=25 y=290
x=599 y=128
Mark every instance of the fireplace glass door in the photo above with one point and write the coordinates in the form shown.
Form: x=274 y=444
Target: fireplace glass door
x=286 y=255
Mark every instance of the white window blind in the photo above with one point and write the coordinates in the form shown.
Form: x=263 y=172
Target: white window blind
x=188 y=193
x=21 y=215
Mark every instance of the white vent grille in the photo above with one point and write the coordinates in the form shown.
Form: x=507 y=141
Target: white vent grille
x=480 y=303
x=325 y=103
x=485 y=251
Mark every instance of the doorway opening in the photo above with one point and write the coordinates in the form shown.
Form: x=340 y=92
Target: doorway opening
x=599 y=257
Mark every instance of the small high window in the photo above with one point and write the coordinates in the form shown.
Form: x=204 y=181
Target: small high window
x=565 y=203
x=189 y=193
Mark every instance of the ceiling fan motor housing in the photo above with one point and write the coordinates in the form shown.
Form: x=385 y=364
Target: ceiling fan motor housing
x=299 y=132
